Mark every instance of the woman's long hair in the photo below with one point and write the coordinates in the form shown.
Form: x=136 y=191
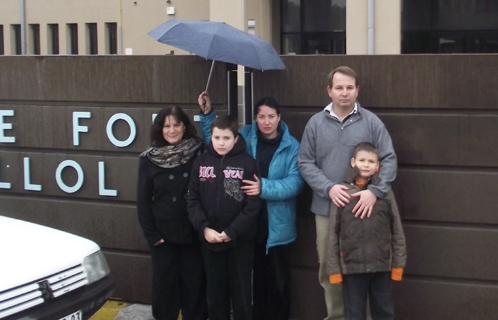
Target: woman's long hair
x=156 y=132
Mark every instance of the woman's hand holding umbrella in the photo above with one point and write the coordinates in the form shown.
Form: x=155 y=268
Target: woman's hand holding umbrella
x=204 y=102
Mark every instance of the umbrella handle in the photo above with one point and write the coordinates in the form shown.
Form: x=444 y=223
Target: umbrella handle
x=209 y=78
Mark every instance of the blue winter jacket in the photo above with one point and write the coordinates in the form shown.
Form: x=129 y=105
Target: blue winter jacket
x=283 y=184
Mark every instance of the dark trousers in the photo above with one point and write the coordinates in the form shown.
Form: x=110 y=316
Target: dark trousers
x=178 y=282
x=374 y=286
x=228 y=274
x=271 y=283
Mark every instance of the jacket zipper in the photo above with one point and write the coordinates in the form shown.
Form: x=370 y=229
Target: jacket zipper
x=221 y=190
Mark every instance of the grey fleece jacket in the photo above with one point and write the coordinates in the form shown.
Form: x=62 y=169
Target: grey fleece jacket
x=326 y=149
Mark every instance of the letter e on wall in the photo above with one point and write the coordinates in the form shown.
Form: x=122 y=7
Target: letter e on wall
x=6 y=126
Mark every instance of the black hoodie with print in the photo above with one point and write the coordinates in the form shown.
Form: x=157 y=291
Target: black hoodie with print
x=215 y=199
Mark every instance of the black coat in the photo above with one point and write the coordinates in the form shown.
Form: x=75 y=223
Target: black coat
x=161 y=203
x=215 y=199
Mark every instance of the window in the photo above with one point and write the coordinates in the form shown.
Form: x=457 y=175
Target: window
x=313 y=26
x=92 y=43
x=53 y=38
x=2 y=52
x=16 y=37
x=112 y=38
x=34 y=36
x=324 y=16
x=291 y=16
x=449 y=26
x=73 y=38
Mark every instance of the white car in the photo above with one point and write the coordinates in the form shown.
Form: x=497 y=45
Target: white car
x=49 y=274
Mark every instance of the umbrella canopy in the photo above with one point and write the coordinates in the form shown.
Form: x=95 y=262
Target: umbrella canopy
x=219 y=41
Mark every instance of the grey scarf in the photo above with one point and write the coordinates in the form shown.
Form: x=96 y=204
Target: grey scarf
x=172 y=156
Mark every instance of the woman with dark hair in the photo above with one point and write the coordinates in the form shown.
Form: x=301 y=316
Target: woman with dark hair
x=269 y=142
x=178 y=281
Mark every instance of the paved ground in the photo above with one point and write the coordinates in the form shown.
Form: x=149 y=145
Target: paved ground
x=136 y=312
x=119 y=310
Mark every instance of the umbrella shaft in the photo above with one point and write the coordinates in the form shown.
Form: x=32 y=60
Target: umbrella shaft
x=209 y=78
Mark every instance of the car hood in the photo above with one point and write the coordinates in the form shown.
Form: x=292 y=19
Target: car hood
x=30 y=252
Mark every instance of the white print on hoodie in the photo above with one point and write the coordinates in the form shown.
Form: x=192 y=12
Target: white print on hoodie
x=233 y=182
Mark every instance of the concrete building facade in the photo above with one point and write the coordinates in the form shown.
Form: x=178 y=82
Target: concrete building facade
x=291 y=26
x=120 y=26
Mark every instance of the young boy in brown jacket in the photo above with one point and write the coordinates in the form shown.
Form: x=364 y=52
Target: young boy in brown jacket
x=365 y=254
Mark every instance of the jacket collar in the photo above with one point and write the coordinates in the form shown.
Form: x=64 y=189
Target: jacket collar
x=353 y=172
x=330 y=110
x=254 y=136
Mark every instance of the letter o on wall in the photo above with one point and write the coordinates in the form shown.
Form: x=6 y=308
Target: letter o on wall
x=110 y=134
x=60 y=182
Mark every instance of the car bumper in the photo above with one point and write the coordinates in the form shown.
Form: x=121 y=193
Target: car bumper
x=88 y=299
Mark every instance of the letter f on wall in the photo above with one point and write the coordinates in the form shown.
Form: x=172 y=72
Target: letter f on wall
x=76 y=126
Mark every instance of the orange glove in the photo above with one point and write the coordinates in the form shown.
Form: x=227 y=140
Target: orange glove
x=396 y=274
x=335 y=278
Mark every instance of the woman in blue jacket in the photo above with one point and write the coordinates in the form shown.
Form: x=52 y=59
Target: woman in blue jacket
x=275 y=150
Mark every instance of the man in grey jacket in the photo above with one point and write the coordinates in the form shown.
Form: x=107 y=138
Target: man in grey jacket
x=326 y=149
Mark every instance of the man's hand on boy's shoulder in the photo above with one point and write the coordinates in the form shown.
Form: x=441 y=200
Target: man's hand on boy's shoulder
x=339 y=196
x=365 y=205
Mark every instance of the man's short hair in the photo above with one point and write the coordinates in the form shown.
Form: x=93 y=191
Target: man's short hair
x=226 y=122
x=366 y=146
x=344 y=70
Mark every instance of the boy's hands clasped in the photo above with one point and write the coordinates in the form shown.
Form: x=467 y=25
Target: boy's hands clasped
x=253 y=188
x=213 y=236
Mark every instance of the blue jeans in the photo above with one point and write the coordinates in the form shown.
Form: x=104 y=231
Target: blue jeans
x=374 y=286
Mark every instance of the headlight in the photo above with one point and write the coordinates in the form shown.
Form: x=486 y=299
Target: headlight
x=96 y=267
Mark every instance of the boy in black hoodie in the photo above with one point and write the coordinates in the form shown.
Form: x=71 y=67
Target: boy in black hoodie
x=226 y=219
